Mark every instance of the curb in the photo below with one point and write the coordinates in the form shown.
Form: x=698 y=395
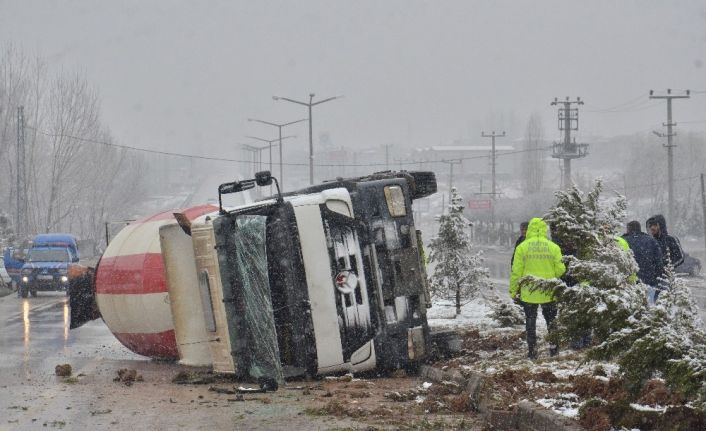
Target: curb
x=526 y=416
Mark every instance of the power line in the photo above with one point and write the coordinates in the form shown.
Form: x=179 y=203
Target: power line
x=636 y=108
x=225 y=159
x=642 y=186
x=622 y=105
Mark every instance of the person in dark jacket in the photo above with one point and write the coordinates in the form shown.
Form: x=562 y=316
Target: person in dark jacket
x=670 y=246
x=523 y=233
x=672 y=254
x=648 y=256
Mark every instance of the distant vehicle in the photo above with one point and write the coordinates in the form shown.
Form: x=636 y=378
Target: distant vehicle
x=13 y=259
x=46 y=266
x=4 y=276
x=691 y=265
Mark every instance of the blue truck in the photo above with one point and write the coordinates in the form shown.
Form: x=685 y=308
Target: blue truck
x=46 y=264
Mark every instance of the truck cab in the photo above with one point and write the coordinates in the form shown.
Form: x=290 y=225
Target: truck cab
x=323 y=280
x=46 y=264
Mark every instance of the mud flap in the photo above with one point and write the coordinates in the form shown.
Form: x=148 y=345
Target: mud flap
x=82 y=298
x=416 y=347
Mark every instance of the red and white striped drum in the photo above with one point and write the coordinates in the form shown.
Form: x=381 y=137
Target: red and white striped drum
x=131 y=287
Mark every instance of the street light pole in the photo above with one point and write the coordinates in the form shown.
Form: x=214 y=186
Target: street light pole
x=279 y=126
x=269 y=145
x=310 y=105
x=257 y=156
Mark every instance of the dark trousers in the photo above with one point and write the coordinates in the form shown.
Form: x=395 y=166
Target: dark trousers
x=549 y=311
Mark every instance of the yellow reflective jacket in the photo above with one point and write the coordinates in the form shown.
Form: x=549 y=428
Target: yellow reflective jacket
x=622 y=243
x=632 y=279
x=537 y=256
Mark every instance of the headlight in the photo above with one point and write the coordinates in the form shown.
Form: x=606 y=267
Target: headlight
x=64 y=279
x=25 y=279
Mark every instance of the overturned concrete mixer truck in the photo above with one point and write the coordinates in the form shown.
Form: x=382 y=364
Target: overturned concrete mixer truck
x=323 y=280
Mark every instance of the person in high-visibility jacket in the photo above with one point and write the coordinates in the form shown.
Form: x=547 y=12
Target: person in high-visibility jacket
x=540 y=257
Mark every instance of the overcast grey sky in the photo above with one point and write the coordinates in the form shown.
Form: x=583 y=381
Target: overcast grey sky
x=186 y=74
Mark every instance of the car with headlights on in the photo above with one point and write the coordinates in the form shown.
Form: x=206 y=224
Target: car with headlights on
x=46 y=266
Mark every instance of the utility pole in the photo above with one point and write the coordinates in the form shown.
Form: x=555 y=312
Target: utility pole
x=568 y=149
x=309 y=105
x=703 y=206
x=279 y=126
x=492 y=136
x=451 y=164
x=401 y=161
x=387 y=156
x=670 y=155
x=21 y=186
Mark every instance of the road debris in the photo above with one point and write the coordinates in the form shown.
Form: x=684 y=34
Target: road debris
x=63 y=370
x=221 y=390
x=128 y=376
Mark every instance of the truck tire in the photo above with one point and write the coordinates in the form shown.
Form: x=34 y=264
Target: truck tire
x=425 y=184
x=23 y=291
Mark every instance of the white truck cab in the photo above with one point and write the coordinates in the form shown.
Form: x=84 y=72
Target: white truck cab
x=324 y=280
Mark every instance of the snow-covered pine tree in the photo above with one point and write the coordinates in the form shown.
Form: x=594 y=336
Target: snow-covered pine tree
x=458 y=274
x=668 y=340
x=507 y=313
x=7 y=235
x=601 y=299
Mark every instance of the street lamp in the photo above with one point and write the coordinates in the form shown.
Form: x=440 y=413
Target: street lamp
x=310 y=104
x=279 y=127
x=257 y=155
x=269 y=145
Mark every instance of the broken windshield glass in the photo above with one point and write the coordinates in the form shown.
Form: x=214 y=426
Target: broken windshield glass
x=258 y=319
x=240 y=241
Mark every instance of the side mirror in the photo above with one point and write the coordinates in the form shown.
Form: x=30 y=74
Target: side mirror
x=263 y=178
x=234 y=187
x=75 y=259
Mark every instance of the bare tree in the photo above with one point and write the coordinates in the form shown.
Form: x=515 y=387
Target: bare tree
x=73 y=118
x=76 y=178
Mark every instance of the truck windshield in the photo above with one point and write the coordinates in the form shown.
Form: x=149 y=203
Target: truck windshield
x=48 y=255
x=256 y=313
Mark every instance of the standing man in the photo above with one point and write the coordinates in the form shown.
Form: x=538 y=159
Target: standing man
x=670 y=245
x=523 y=234
x=539 y=257
x=648 y=256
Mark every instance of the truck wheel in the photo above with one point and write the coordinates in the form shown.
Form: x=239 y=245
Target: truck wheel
x=23 y=291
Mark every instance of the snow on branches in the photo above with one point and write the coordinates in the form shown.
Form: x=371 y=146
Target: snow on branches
x=458 y=274
x=600 y=297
